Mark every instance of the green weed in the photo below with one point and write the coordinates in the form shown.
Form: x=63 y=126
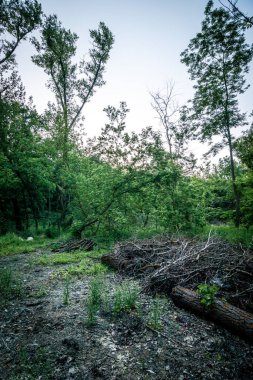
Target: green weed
x=156 y=310
x=10 y=284
x=94 y=300
x=41 y=292
x=66 y=291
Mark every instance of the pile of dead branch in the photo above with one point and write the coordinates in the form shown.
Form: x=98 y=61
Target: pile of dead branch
x=165 y=262
x=74 y=245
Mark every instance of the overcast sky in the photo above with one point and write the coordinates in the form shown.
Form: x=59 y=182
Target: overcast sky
x=149 y=37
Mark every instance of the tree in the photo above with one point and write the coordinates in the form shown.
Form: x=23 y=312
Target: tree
x=72 y=84
x=167 y=110
x=25 y=170
x=217 y=59
x=121 y=149
x=177 y=133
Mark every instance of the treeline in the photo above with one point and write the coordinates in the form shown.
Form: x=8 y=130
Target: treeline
x=119 y=183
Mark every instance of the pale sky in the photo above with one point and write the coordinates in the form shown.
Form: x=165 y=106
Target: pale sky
x=149 y=37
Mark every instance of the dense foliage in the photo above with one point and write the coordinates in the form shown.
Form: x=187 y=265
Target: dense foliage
x=119 y=184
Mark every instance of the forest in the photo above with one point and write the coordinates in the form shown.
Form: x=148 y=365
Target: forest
x=121 y=182
x=115 y=200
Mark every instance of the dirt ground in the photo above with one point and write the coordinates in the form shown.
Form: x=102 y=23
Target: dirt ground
x=41 y=338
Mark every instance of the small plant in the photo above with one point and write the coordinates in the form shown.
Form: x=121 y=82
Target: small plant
x=207 y=293
x=41 y=292
x=66 y=291
x=126 y=297
x=155 y=313
x=10 y=284
x=92 y=309
x=94 y=300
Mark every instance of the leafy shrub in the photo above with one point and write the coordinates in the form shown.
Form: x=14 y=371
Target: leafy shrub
x=207 y=293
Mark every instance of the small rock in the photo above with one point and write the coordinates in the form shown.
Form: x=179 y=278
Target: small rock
x=150 y=371
x=30 y=238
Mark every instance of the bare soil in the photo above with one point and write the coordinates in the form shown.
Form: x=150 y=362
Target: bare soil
x=41 y=338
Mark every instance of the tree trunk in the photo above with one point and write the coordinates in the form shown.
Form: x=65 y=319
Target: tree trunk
x=233 y=176
x=231 y=317
x=17 y=215
x=232 y=163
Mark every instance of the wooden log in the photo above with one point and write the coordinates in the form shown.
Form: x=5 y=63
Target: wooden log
x=114 y=261
x=236 y=320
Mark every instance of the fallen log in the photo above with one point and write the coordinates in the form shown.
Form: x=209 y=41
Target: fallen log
x=114 y=261
x=236 y=320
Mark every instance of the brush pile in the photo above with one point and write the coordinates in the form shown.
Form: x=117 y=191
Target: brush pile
x=165 y=262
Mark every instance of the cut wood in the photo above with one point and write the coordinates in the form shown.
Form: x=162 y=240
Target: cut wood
x=231 y=317
x=75 y=245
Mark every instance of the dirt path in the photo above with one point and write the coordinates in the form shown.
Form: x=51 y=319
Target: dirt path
x=41 y=338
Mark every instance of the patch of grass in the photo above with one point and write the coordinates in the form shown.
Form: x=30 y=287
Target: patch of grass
x=86 y=267
x=60 y=258
x=156 y=310
x=67 y=257
x=126 y=297
x=12 y=244
x=10 y=284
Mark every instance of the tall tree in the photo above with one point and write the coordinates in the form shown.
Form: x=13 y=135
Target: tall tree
x=218 y=59
x=72 y=84
x=177 y=134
